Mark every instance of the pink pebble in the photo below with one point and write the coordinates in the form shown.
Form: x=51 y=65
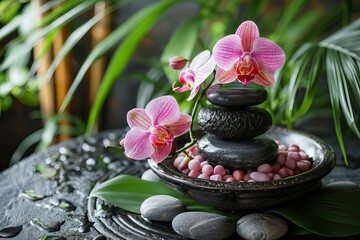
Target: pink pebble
x=304 y=156
x=218 y=169
x=294 y=155
x=216 y=177
x=238 y=175
x=290 y=171
x=259 y=177
x=290 y=163
x=194 y=165
x=265 y=168
x=194 y=173
x=282 y=147
x=184 y=163
x=303 y=166
x=283 y=172
x=277 y=177
x=177 y=161
x=199 y=158
x=204 y=163
x=230 y=179
x=293 y=149
x=251 y=180
x=226 y=177
x=247 y=177
x=307 y=162
x=207 y=169
x=271 y=175
x=281 y=157
x=294 y=145
x=186 y=171
x=204 y=176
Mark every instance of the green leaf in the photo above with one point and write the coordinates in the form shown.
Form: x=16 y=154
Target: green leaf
x=123 y=54
x=25 y=144
x=181 y=44
x=45 y=171
x=331 y=215
x=128 y=192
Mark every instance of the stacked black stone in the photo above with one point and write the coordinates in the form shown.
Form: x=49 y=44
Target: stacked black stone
x=234 y=128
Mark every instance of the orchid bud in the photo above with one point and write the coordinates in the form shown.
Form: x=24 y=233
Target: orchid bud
x=177 y=62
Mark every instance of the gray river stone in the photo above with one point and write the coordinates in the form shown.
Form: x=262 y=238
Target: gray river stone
x=340 y=186
x=161 y=208
x=256 y=226
x=238 y=154
x=150 y=176
x=203 y=225
x=236 y=95
x=234 y=123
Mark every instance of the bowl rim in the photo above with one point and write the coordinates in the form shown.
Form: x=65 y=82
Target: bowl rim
x=326 y=163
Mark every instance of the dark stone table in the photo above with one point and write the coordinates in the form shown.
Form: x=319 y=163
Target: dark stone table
x=65 y=175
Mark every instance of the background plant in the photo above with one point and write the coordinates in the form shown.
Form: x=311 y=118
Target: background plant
x=320 y=39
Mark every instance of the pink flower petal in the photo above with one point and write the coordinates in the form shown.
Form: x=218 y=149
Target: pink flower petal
x=224 y=77
x=180 y=89
x=163 y=110
x=161 y=153
x=204 y=71
x=248 y=32
x=138 y=118
x=199 y=60
x=227 y=51
x=264 y=79
x=137 y=145
x=268 y=55
x=182 y=126
x=193 y=93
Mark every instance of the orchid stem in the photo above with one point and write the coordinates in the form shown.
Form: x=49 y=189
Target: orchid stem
x=193 y=114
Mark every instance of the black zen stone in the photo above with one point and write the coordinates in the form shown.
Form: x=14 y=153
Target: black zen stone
x=238 y=154
x=234 y=123
x=236 y=96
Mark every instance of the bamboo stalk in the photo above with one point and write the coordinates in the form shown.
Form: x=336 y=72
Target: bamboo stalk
x=46 y=93
x=63 y=77
x=98 y=33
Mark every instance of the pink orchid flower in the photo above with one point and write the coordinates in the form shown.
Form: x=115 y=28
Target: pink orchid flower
x=192 y=77
x=247 y=57
x=154 y=128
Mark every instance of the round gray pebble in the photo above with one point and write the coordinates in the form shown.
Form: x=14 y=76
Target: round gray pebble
x=256 y=226
x=203 y=225
x=161 y=208
x=341 y=186
x=149 y=175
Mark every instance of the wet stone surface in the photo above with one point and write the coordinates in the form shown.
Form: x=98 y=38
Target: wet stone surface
x=234 y=123
x=240 y=154
x=236 y=95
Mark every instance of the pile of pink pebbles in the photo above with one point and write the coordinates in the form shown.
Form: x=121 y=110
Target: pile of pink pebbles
x=290 y=161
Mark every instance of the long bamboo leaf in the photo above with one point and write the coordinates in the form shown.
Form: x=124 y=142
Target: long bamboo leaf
x=123 y=55
x=76 y=35
x=58 y=23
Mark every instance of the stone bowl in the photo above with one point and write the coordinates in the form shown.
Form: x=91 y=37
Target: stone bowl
x=255 y=195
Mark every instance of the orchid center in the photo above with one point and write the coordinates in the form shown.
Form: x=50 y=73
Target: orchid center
x=160 y=136
x=187 y=78
x=246 y=69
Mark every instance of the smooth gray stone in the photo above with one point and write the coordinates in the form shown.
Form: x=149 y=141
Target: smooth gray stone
x=150 y=176
x=340 y=186
x=203 y=225
x=256 y=226
x=236 y=95
x=238 y=154
x=234 y=123
x=161 y=208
